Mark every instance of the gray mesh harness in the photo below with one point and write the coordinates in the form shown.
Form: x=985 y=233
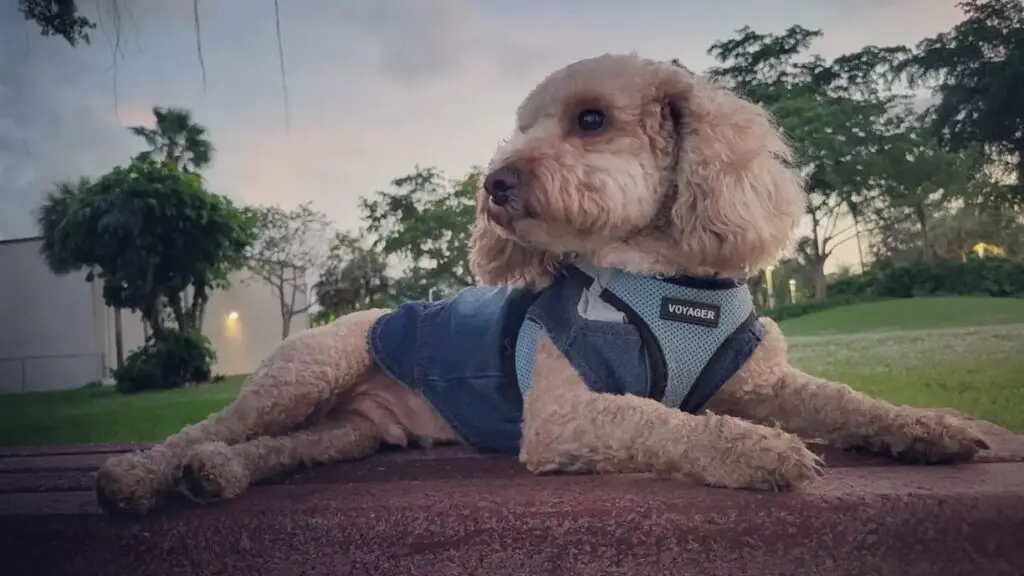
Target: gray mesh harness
x=686 y=325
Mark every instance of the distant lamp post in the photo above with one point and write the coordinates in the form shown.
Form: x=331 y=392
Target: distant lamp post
x=232 y=316
x=792 y=290
x=770 y=285
x=430 y=293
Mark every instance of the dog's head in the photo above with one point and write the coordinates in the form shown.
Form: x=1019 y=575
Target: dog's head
x=638 y=165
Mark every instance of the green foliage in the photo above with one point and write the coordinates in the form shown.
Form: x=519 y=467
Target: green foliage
x=176 y=360
x=975 y=276
x=865 y=153
x=915 y=178
x=354 y=278
x=151 y=231
x=177 y=139
x=58 y=18
x=51 y=212
x=322 y=317
x=424 y=222
x=832 y=124
x=977 y=70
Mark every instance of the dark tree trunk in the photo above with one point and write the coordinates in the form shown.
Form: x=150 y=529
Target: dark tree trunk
x=177 y=308
x=286 y=309
x=922 y=220
x=816 y=267
x=154 y=315
x=1020 y=171
x=118 y=338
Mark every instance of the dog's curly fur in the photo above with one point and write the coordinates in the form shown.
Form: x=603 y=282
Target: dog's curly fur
x=683 y=178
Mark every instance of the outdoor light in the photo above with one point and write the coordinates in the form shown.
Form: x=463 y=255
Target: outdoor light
x=232 y=315
x=768 y=284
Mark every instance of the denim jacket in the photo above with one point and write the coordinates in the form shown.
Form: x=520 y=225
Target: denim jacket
x=675 y=340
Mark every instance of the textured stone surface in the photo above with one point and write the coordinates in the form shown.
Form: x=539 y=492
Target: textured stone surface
x=450 y=511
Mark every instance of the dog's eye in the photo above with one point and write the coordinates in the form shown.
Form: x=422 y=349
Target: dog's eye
x=590 y=120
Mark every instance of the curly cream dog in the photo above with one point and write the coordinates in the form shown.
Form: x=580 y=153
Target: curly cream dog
x=623 y=163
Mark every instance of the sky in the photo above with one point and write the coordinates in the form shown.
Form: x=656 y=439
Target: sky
x=375 y=88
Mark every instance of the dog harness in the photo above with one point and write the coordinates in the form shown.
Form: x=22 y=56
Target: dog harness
x=674 y=340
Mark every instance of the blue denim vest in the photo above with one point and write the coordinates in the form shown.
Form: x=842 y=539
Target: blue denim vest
x=673 y=340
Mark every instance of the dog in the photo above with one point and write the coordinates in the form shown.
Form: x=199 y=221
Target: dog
x=612 y=331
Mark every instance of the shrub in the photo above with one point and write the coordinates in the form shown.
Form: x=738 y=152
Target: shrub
x=998 y=277
x=179 y=359
x=808 y=306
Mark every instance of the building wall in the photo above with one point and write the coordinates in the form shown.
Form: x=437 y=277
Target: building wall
x=51 y=327
x=57 y=333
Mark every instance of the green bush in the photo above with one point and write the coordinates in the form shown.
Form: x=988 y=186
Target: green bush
x=997 y=277
x=180 y=358
x=810 y=305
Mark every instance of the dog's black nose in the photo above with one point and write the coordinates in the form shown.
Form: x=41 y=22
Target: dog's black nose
x=502 y=183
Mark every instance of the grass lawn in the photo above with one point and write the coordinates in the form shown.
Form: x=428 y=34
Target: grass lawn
x=916 y=314
x=965 y=353
x=96 y=414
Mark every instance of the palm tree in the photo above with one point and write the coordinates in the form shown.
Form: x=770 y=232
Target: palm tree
x=49 y=216
x=177 y=138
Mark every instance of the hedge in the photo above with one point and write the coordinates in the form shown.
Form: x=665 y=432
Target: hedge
x=997 y=277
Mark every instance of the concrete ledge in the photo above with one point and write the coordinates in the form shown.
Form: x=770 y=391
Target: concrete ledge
x=451 y=511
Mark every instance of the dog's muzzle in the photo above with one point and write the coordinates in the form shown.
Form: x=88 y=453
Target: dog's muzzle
x=504 y=188
x=502 y=185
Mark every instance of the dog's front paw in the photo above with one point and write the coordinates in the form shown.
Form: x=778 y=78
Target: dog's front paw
x=130 y=484
x=212 y=472
x=760 y=458
x=925 y=437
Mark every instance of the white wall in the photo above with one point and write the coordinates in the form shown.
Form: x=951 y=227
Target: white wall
x=55 y=332
x=50 y=326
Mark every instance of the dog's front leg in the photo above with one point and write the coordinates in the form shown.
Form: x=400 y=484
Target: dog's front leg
x=306 y=370
x=216 y=471
x=570 y=429
x=816 y=408
x=768 y=390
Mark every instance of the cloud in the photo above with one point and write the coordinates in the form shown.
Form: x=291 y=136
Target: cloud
x=429 y=39
x=375 y=88
x=55 y=120
x=886 y=23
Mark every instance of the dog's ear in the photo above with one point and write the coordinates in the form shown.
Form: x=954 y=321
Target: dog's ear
x=496 y=259
x=739 y=198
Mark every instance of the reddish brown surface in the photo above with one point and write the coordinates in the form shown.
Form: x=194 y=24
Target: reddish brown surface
x=450 y=511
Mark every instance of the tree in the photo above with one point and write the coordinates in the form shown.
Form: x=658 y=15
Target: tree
x=831 y=124
x=916 y=178
x=354 y=278
x=49 y=216
x=977 y=70
x=425 y=222
x=177 y=139
x=58 y=18
x=289 y=245
x=183 y=241
x=954 y=231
